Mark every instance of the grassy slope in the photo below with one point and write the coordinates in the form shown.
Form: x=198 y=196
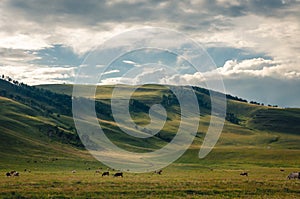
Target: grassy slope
x=250 y=146
x=24 y=145
x=253 y=141
x=265 y=136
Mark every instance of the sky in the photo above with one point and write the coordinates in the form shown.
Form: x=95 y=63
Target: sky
x=254 y=44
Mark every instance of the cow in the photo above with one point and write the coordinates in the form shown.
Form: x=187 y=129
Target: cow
x=294 y=175
x=158 y=172
x=106 y=173
x=16 y=174
x=8 y=174
x=12 y=173
x=282 y=170
x=74 y=171
x=27 y=170
x=97 y=171
x=118 y=174
x=244 y=174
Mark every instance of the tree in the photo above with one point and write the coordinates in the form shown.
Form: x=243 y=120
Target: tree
x=232 y=118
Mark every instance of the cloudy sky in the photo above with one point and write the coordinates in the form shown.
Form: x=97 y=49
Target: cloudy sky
x=255 y=44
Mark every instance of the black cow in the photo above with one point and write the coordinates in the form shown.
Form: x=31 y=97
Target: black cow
x=244 y=174
x=118 y=174
x=106 y=173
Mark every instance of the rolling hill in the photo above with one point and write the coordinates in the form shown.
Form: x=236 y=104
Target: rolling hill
x=37 y=128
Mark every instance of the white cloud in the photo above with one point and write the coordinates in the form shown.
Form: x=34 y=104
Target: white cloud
x=258 y=67
x=84 y=39
x=143 y=75
x=116 y=80
x=129 y=62
x=16 y=57
x=228 y=3
x=33 y=74
x=110 y=72
x=23 y=41
x=232 y=69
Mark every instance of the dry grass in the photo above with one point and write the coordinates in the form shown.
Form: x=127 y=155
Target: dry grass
x=175 y=182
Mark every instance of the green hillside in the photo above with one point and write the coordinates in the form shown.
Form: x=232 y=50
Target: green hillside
x=35 y=133
x=29 y=140
x=37 y=127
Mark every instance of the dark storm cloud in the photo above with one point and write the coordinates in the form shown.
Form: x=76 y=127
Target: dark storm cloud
x=273 y=8
x=86 y=12
x=92 y=11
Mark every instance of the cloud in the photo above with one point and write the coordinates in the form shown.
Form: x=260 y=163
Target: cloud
x=240 y=70
x=84 y=25
x=145 y=75
x=110 y=72
x=16 y=57
x=129 y=62
x=23 y=41
x=116 y=80
x=33 y=75
x=258 y=67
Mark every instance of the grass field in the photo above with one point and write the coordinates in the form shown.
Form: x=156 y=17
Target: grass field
x=175 y=182
x=216 y=176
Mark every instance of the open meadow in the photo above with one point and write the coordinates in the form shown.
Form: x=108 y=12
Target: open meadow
x=174 y=182
x=216 y=176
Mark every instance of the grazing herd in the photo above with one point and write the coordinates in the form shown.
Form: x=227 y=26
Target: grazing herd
x=105 y=173
x=118 y=174
x=12 y=173
x=293 y=175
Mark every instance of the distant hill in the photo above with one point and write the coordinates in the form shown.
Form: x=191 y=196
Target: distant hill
x=252 y=115
x=37 y=124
